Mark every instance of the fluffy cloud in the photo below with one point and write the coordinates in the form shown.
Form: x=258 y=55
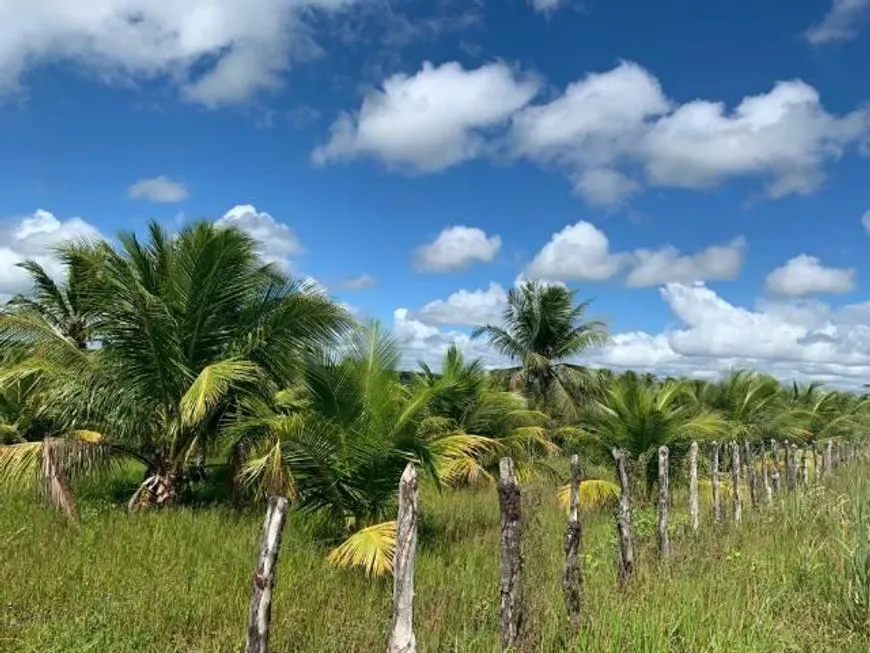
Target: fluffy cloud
x=805 y=275
x=841 y=23
x=547 y=6
x=465 y=308
x=791 y=340
x=865 y=221
x=431 y=120
x=667 y=265
x=217 y=51
x=33 y=237
x=361 y=282
x=456 y=248
x=158 y=189
x=277 y=242
x=581 y=252
x=607 y=124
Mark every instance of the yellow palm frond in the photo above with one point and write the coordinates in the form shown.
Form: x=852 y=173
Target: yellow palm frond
x=461 y=470
x=371 y=548
x=594 y=493
x=19 y=463
x=85 y=435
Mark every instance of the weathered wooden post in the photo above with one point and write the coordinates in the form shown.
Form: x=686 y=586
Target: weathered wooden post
x=827 y=458
x=401 y=638
x=260 y=612
x=623 y=521
x=572 y=581
x=836 y=459
x=735 y=481
x=714 y=482
x=693 y=486
x=511 y=555
x=765 y=477
x=789 y=466
x=664 y=503
x=774 y=470
x=749 y=465
x=805 y=467
x=817 y=470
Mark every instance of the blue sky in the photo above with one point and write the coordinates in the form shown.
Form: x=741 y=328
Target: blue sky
x=697 y=168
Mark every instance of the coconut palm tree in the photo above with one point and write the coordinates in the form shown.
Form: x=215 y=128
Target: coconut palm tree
x=188 y=325
x=337 y=445
x=542 y=329
x=638 y=417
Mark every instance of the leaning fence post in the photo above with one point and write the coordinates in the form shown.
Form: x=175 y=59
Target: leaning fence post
x=623 y=521
x=749 y=465
x=260 y=613
x=714 y=482
x=664 y=502
x=735 y=481
x=765 y=477
x=572 y=580
x=511 y=555
x=774 y=470
x=693 y=485
x=402 y=625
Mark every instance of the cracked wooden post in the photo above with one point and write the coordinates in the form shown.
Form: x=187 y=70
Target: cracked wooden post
x=572 y=580
x=511 y=580
x=749 y=466
x=664 y=504
x=735 y=481
x=765 y=477
x=623 y=522
x=693 y=486
x=260 y=613
x=805 y=468
x=401 y=638
x=817 y=470
x=714 y=481
x=775 y=476
x=789 y=466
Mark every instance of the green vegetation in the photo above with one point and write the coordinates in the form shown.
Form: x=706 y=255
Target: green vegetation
x=185 y=374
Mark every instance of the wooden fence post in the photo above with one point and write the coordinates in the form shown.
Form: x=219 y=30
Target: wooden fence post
x=260 y=612
x=511 y=555
x=623 y=521
x=572 y=581
x=789 y=466
x=805 y=468
x=817 y=471
x=749 y=465
x=664 y=503
x=765 y=477
x=402 y=625
x=693 y=486
x=774 y=469
x=735 y=481
x=714 y=482
x=827 y=456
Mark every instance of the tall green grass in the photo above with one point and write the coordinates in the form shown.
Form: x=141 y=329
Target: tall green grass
x=793 y=579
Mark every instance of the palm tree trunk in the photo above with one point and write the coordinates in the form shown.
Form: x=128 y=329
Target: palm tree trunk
x=159 y=489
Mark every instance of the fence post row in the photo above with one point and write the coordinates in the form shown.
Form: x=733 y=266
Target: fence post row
x=260 y=610
x=765 y=477
x=664 y=541
x=401 y=638
x=749 y=464
x=735 y=481
x=693 y=486
x=573 y=577
x=774 y=469
x=623 y=521
x=717 y=499
x=511 y=581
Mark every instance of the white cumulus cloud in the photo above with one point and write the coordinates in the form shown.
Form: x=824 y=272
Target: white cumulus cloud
x=158 y=189
x=841 y=23
x=465 y=308
x=581 y=252
x=216 y=51
x=431 y=120
x=33 y=237
x=360 y=282
x=276 y=241
x=805 y=275
x=456 y=248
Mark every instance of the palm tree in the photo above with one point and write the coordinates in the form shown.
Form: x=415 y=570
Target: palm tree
x=188 y=326
x=542 y=328
x=337 y=445
x=639 y=417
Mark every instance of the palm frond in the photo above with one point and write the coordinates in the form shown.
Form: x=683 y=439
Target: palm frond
x=372 y=549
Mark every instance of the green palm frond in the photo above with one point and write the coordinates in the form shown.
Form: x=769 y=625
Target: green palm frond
x=211 y=387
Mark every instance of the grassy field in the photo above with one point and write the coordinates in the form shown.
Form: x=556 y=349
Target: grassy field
x=178 y=581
